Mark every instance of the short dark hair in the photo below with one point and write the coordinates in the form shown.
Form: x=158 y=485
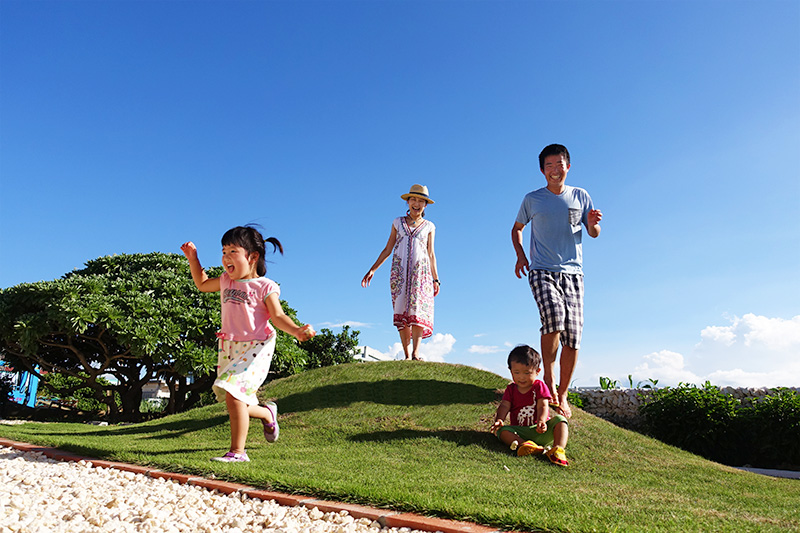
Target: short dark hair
x=249 y=238
x=525 y=355
x=553 y=149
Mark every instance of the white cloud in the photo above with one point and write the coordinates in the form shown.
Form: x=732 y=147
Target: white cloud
x=742 y=378
x=481 y=349
x=436 y=347
x=351 y=323
x=665 y=366
x=432 y=349
x=754 y=331
x=719 y=334
x=753 y=351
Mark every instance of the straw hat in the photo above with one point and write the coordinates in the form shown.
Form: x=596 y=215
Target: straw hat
x=420 y=191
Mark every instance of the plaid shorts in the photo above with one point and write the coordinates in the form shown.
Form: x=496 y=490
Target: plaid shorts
x=560 y=300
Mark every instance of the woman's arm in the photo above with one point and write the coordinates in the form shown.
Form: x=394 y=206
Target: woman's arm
x=199 y=276
x=432 y=256
x=386 y=252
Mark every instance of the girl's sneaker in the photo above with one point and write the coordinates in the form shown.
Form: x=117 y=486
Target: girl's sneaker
x=529 y=448
x=557 y=456
x=271 y=430
x=231 y=457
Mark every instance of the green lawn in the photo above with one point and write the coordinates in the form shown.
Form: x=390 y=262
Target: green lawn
x=412 y=436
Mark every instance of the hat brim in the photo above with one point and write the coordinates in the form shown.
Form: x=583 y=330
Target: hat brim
x=416 y=195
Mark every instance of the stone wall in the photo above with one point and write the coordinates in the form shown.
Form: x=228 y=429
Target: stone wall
x=621 y=406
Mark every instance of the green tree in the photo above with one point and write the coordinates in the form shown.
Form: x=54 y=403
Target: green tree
x=81 y=396
x=130 y=318
x=328 y=348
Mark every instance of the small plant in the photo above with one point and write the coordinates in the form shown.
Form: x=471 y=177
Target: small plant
x=608 y=383
x=575 y=399
x=642 y=384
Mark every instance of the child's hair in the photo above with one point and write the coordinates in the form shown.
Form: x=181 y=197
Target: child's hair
x=249 y=238
x=553 y=149
x=525 y=355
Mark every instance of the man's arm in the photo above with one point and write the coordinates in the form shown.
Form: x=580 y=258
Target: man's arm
x=593 y=223
x=516 y=240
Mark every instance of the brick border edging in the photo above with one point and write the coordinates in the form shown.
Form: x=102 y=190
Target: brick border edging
x=385 y=517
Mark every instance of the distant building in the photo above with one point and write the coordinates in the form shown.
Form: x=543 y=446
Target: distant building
x=156 y=389
x=370 y=355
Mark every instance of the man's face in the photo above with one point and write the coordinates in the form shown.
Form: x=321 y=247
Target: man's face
x=555 y=171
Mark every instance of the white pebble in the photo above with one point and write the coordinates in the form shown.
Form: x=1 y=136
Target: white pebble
x=39 y=494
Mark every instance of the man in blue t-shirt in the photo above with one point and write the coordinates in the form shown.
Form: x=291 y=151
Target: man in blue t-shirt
x=556 y=213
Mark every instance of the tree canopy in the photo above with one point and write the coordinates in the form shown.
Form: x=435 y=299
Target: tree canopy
x=134 y=318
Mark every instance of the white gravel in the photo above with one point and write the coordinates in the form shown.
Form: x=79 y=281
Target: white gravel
x=42 y=495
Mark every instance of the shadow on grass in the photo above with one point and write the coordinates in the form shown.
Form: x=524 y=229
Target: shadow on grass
x=462 y=437
x=163 y=430
x=393 y=392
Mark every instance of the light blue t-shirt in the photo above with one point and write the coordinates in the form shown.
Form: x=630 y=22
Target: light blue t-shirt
x=556 y=228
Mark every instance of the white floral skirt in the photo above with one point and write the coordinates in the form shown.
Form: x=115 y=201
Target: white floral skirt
x=242 y=367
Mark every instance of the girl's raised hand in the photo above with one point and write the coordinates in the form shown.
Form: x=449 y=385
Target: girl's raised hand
x=189 y=250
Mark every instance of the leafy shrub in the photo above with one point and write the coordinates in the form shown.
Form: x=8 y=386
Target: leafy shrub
x=717 y=426
x=328 y=348
x=772 y=427
x=69 y=391
x=575 y=399
x=699 y=420
x=153 y=407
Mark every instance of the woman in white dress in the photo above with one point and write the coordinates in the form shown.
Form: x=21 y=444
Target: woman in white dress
x=414 y=281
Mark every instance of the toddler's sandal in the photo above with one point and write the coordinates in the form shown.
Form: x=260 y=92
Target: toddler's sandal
x=529 y=448
x=557 y=456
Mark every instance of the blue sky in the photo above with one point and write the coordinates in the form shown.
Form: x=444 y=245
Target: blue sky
x=133 y=126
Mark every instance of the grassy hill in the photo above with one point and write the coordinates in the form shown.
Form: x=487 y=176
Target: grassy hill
x=412 y=436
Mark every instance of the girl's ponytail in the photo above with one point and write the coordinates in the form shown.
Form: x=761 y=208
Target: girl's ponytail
x=276 y=244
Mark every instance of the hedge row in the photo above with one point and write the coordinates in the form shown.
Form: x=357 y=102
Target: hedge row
x=705 y=421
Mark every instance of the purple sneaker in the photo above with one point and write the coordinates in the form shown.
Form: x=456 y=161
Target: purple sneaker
x=231 y=457
x=271 y=430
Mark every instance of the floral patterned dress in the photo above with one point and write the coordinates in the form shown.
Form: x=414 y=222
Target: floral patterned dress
x=411 y=280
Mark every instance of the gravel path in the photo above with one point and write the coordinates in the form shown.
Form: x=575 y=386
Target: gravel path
x=41 y=495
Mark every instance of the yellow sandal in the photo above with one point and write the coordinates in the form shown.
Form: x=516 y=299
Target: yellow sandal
x=557 y=456
x=529 y=448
